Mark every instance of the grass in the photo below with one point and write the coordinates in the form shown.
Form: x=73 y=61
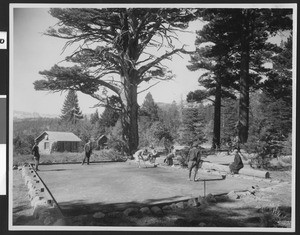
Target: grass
x=271 y=217
x=67 y=157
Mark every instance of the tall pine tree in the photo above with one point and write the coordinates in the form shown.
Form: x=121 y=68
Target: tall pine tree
x=149 y=108
x=70 y=111
x=193 y=125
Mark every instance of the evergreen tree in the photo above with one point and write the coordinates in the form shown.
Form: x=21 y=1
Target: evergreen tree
x=279 y=79
x=108 y=118
x=70 y=111
x=229 y=119
x=246 y=33
x=193 y=125
x=95 y=117
x=149 y=108
x=120 y=39
x=169 y=115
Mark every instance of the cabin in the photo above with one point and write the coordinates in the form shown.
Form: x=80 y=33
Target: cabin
x=53 y=141
x=101 y=142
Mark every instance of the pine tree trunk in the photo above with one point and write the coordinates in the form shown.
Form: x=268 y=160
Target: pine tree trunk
x=130 y=116
x=243 y=122
x=217 y=116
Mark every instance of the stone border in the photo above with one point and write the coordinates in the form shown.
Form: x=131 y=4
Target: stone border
x=45 y=208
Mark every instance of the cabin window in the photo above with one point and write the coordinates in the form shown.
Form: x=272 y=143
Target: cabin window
x=46 y=145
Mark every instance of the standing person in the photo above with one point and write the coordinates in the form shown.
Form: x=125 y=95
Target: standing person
x=194 y=160
x=87 y=152
x=153 y=155
x=237 y=163
x=36 y=155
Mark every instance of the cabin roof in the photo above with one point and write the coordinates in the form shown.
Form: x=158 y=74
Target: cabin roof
x=59 y=136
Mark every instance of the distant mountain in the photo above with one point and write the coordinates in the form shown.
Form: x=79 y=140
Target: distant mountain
x=23 y=115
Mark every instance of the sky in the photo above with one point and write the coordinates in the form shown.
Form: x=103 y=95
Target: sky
x=34 y=52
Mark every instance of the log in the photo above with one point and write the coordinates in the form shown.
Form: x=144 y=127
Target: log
x=243 y=171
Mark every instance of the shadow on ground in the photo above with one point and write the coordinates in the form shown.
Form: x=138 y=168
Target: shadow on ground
x=209 y=215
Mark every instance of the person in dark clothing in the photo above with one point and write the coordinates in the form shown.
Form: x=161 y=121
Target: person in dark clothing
x=194 y=160
x=87 y=152
x=36 y=155
x=237 y=163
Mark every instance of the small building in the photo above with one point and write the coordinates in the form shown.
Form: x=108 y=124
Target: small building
x=101 y=142
x=53 y=141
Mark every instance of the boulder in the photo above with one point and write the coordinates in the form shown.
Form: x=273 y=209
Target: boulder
x=49 y=220
x=60 y=222
x=221 y=198
x=180 y=205
x=233 y=195
x=167 y=208
x=98 y=215
x=40 y=202
x=145 y=210
x=193 y=202
x=131 y=211
x=156 y=210
x=202 y=200
x=202 y=224
x=210 y=198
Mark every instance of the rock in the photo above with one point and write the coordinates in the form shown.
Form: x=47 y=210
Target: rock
x=131 y=211
x=202 y=224
x=180 y=205
x=202 y=200
x=15 y=167
x=167 y=208
x=156 y=210
x=60 y=222
x=232 y=195
x=33 y=194
x=210 y=198
x=222 y=198
x=145 y=210
x=41 y=213
x=113 y=214
x=193 y=202
x=98 y=215
x=39 y=202
x=173 y=206
x=49 y=220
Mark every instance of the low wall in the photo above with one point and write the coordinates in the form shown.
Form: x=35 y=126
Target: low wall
x=44 y=205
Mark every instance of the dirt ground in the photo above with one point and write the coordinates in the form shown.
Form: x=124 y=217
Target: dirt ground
x=269 y=205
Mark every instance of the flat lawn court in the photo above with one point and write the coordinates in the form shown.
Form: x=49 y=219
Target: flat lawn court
x=117 y=185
